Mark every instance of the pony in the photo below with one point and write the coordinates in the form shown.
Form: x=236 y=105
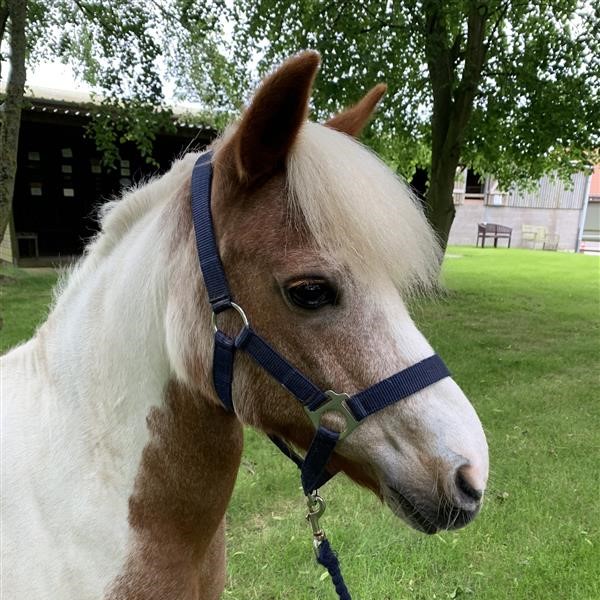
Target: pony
x=118 y=458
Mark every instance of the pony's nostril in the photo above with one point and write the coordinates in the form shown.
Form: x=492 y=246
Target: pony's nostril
x=466 y=490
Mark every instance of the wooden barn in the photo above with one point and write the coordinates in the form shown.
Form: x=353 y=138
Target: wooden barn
x=61 y=180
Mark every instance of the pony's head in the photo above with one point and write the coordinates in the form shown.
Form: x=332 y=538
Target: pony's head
x=322 y=245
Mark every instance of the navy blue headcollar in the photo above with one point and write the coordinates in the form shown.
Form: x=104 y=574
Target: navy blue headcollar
x=315 y=401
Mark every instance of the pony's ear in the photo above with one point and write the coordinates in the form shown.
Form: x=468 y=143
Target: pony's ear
x=353 y=120
x=270 y=124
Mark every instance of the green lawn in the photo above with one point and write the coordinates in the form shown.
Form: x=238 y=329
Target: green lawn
x=24 y=301
x=521 y=332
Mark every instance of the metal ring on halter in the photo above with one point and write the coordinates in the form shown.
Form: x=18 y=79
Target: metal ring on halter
x=336 y=405
x=239 y=311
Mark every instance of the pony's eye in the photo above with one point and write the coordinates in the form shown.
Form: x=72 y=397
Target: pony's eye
x=312 y=294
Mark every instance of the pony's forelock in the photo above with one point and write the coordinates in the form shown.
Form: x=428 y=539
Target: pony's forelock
x=358 y=210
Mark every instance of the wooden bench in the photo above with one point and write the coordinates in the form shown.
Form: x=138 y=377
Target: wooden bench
x=493 y=230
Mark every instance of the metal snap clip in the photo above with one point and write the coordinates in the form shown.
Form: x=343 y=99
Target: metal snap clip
x=316 y=508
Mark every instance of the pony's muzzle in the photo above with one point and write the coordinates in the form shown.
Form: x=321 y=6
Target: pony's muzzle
x=455 y=503
x=462 y=499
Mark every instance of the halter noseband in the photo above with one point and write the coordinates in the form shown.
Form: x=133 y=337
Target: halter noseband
x=315 y=401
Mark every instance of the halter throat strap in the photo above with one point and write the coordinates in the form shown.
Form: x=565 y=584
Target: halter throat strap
x=315 y=401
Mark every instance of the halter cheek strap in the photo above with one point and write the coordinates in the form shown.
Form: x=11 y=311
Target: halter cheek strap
x=315 y=401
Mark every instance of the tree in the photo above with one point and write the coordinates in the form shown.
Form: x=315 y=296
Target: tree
x=509 y=88
x=13 y=16
x=122 y=49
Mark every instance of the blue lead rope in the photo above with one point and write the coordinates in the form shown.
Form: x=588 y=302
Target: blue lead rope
x=329 y=560
x=323 y=551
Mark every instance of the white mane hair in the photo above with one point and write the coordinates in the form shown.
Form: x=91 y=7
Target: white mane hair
x=356 y=208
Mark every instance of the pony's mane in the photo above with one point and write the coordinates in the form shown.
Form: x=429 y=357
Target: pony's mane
x=355 y=207
x=119 y=215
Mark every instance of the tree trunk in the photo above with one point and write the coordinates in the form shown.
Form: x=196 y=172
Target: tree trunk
x=453 y=100
x=10 y=110
x=440 y=204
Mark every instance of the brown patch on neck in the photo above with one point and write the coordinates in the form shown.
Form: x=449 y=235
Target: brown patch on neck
x=181 y=492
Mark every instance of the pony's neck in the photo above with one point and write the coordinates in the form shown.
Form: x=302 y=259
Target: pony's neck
x=120 y=388
x=104 y=346
x=105 y=340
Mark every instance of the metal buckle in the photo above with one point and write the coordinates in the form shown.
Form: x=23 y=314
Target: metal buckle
x=239 y=311
x=336 y=404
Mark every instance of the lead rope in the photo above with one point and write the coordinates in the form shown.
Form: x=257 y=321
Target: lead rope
x=323 y=551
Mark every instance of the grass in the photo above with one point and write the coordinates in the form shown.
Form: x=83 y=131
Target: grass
x=24 y=300
x=521 y=332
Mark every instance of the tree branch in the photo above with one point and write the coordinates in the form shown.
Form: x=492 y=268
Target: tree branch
x=502 y=12
x=455 y=51
x=475 y=55
x=85 y=9
x=94 y=17
x=441 y=75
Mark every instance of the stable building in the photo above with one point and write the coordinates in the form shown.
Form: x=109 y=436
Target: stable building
x=551 y=216
x=61 y=180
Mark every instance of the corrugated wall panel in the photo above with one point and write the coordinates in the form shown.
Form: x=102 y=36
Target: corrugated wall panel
x=551 y=193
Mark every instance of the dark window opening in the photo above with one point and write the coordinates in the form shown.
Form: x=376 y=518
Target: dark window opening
x=475 y=183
